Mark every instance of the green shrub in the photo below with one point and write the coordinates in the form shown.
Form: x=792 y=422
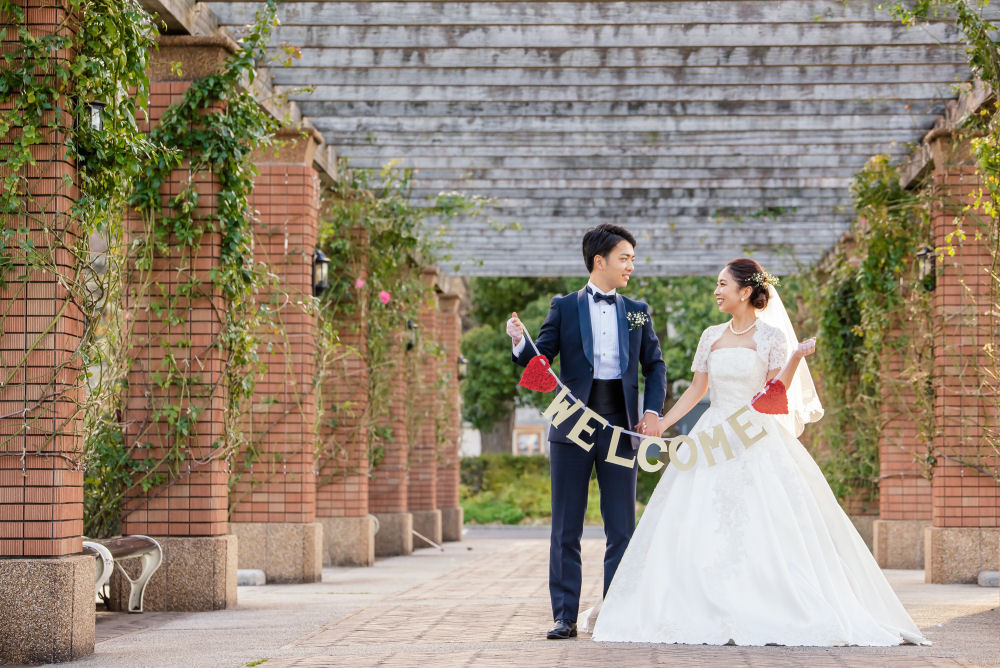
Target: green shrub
x=513 y=489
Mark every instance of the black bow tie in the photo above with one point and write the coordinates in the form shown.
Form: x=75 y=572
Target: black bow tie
x=598 y=297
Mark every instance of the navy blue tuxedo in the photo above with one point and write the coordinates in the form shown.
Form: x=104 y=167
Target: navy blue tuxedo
x=567 y=333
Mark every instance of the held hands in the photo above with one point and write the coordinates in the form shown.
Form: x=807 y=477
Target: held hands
x=649 y=424
x=515 y=329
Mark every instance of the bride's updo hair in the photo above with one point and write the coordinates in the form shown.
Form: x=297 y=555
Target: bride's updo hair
x=749 y=274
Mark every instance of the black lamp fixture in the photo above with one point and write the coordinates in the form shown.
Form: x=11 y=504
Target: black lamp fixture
x=463 y=368
x=927 y=257
x=321 y=272
x=411 y=336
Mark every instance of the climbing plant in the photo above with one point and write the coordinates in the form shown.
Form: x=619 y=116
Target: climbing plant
x=978 y=215
x=867 y=307
x=97 y=54
x=378 y=237
x=120 y=220
x=210 y=136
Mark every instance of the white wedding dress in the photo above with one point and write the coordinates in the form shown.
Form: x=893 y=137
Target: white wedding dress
x=755 y=549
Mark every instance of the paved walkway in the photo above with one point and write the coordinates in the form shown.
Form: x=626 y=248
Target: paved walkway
x=484 y=602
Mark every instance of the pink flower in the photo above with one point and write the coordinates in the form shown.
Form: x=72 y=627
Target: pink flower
x=360 y=283
x=384 y=297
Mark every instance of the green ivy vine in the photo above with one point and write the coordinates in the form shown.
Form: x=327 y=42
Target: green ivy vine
x=212 y=132
x=978 y=215
x=868 y=305
x=378 y=239
x=98 y=53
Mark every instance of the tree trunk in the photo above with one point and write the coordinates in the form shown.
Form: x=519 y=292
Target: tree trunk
x=498 y=440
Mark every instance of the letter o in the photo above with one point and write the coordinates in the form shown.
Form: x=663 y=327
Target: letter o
x=675 y=460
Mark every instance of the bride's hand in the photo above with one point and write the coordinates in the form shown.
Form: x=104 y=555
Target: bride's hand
x=807 y=347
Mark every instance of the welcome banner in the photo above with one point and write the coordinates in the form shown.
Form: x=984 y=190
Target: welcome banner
x=744 y=423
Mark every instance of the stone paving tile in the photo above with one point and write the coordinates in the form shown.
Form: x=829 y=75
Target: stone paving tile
x=483 y=603
x=493 y=610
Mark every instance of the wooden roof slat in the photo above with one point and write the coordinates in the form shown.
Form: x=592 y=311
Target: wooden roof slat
x=617 y=57
x=941 y=90
x=683 y=119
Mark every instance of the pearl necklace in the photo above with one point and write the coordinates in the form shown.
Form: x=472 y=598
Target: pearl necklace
x=742 y=332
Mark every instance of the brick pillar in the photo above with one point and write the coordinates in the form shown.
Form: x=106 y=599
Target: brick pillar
x=273 y=502
x=188 y=514
x=388 y=486
x=46 y=585
x=342 y=487
x=422 y=490
x=449 y=334
x=904 y=492
x=965 y=514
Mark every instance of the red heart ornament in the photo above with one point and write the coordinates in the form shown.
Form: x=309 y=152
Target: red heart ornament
x=773 y=400
x=537 y=375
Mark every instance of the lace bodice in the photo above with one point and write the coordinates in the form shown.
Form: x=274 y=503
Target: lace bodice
x=735 y=375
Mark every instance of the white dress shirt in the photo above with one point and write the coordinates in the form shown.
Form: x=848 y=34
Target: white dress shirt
x=604 y=329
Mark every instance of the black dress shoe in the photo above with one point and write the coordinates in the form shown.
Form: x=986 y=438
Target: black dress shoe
x=563 y=629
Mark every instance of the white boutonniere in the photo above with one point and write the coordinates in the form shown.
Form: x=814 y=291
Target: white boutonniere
x=636 y=319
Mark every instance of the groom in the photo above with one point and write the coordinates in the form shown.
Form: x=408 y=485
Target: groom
x=603 y=338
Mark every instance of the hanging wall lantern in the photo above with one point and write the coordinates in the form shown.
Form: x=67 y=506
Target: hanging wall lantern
x=321 y=272
x=926 y=258
x=95 y=115
x=463 y=368
x=411 y=334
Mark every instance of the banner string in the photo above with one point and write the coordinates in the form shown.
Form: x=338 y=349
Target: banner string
x=527 y=336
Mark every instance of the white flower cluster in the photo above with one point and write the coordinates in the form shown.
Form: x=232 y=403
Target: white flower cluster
x=764 y=279
x=636 y=319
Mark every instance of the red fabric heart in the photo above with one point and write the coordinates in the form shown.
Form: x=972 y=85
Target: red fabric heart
x=537 y=376
x=773 y=400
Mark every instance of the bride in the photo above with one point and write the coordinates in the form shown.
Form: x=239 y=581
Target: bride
x=755 y=550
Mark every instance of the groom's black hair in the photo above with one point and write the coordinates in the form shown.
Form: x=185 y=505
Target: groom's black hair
x=601 y=240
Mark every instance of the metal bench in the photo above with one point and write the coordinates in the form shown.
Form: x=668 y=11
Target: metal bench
x=112 y=550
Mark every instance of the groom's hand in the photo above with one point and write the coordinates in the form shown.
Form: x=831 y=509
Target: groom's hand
x=514 y=328
x=648 y=424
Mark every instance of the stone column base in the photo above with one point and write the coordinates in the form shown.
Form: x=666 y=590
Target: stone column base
x=427 y=523
x=348 y=541
x=47 y=608
x=197 y=573
x=395 y=534
x=863 y=525
x=287 y=552
x=956 y=555
x=899 y=543
x=451 y=523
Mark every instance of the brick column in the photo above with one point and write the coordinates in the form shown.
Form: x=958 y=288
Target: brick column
x=422 y=490
x=388 y=486
x=342 y=487
x=188 y=514
x=965 y=512
x=904 y=492
x=273 y=502
x=46 y=585
x=449 y=334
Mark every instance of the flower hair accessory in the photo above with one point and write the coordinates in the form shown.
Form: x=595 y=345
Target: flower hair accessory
x=763 y=279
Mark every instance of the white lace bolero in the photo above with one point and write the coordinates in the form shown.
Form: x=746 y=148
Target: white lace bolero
x=770 y=342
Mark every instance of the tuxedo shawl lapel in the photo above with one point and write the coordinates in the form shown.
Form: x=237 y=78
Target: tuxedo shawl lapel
x=586 y=333
x=623 y=334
